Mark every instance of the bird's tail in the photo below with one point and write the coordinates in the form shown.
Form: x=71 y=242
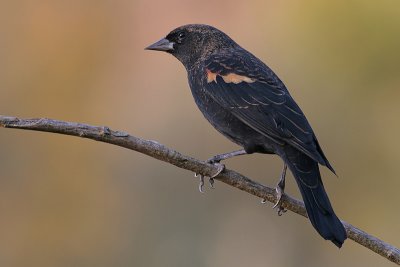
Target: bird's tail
x=319 y=209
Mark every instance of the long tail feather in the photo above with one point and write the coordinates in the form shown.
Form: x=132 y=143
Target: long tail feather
x=319 y=209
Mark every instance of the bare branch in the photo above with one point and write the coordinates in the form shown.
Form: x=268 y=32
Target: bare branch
x=161 y=152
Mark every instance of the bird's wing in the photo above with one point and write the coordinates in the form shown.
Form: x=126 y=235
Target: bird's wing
x=254 y=94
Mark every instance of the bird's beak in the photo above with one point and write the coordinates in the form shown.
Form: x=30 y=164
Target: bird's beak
x=162 y=45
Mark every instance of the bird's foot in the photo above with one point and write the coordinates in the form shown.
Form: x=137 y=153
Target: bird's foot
x=216 y=162
x=220 y=167
x=278 y=205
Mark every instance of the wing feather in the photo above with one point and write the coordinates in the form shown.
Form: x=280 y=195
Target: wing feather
x=256 y=96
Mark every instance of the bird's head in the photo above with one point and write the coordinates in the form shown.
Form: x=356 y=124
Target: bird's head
x=193 y=42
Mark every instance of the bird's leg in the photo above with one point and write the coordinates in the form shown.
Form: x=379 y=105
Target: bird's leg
x=280 y=189
x=216 y=161
x=220 y=157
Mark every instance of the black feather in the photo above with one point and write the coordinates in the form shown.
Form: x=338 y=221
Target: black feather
x=246 y=102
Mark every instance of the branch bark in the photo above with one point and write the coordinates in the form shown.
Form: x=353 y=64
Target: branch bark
x=163 y=153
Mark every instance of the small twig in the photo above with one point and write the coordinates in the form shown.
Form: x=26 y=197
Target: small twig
x=161 y=152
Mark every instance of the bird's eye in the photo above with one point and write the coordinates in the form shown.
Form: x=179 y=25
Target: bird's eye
x=181 y=35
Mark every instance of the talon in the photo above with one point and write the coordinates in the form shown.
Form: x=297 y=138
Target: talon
x=201 y=184
x=280 y=187
x=279 y=193
x=279 y=208
x=281 y=211
x=211 y=181
x=278 y=196
x=221 y=167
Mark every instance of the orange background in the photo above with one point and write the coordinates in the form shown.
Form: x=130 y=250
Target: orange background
x=68 y=201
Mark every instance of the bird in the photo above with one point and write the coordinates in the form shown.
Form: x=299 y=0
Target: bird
x=244 y=100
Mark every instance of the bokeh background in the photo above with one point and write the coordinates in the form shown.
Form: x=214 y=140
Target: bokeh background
x=68 y=201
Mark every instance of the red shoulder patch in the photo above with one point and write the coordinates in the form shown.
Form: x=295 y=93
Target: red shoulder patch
x=211 y=76
x=229 y=78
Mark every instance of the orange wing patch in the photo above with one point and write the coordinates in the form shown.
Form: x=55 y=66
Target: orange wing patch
x=211 y=76
x=229 y=78
x=236 y=78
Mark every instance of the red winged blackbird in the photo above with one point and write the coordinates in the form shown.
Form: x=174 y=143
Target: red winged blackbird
x=247 y=102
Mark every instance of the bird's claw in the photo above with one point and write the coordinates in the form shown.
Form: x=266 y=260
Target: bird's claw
x=278 y=205
x=201 y=182
x=220 y=167
x=211 y=182
x=281 y=211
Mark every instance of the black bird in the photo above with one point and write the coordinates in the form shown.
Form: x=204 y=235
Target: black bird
x=247 y=102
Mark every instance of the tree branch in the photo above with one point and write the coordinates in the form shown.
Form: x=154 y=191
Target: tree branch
x=161 y=152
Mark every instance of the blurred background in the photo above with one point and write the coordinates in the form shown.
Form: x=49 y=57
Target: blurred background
x=68 y=201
